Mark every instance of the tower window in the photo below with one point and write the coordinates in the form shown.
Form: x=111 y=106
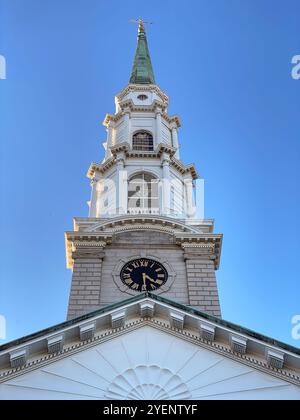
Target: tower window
x=143 y=194
x=142 y=141
x=142 y=97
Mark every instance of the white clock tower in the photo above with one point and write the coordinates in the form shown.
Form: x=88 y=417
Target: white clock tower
x=142 y=208
x=144 y=320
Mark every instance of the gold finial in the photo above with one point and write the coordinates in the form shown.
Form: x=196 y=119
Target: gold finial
x=141 y=23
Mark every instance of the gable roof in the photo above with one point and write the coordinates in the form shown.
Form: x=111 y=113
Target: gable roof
x=140 y=297
x=216 y=334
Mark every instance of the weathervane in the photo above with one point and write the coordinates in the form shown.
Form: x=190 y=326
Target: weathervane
x=141 y=23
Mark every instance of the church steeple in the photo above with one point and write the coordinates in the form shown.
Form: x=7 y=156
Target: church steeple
x=142 y=209
x=142 y=71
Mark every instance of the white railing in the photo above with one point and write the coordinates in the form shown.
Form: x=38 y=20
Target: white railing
x=143 y=210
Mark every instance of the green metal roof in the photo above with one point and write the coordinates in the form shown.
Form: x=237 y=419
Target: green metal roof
x=142 y=71
x=161 y=299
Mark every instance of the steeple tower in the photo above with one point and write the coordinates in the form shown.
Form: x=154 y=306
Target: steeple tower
x=142 y=233
x=142 y=71
x=141 y=239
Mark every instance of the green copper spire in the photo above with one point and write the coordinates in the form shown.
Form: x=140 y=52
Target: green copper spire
x=142 y=72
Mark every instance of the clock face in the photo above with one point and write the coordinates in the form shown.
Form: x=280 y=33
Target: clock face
x=144 y=275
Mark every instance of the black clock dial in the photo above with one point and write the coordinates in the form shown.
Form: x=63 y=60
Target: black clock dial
x=144 y=275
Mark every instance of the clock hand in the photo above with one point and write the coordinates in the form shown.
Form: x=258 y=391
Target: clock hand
x=145 y=277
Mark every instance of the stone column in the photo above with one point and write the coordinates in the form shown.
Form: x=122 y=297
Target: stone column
x=86 y=279
x=122 y=187
x=109 y=142
x=166 y=185
x=158 y=128
x=175 y=142
x=201 y=278
x=189 y=201
x=128 y=126
x=94 y=198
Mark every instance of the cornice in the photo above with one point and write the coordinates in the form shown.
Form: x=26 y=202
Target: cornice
x=129 y=153
x=120 y=147
x=115 y=118
x=172 y=119
x=129 y=104
x=101 y=168
x=163 y=325
x=184 y=169
x=189 y=238
x=199 y=245
x=159 y=222
x=194 y=225
x=88 y=244
x=142 y=88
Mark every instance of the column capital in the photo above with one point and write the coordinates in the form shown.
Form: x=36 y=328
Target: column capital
x=88 y=250
x=94 y=197
x=198 y=256
x=94 y=181
x=165 y=159
x=199 y=251
x=127 y=111
x=88 y=255
x=188 y=180
x=120 y=159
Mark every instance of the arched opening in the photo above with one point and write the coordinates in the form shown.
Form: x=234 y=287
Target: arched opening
x=142 y=141
x=143 y=194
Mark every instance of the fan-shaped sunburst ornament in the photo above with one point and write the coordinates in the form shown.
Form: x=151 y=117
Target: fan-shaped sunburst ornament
x=147 y=383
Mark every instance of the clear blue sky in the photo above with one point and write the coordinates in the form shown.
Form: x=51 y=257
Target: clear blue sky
x=226 y=65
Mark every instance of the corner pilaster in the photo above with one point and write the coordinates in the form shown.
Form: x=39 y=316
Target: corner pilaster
x=122 y=184
x=94 y=198
x=86 y=278
x=165 y=161
x=175 y=142
x=201 y=278
x=158 y=126
x=109 y=145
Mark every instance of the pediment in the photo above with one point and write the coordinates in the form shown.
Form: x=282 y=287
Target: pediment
x=159 y=224
x=100 y=232
x=146 y=363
